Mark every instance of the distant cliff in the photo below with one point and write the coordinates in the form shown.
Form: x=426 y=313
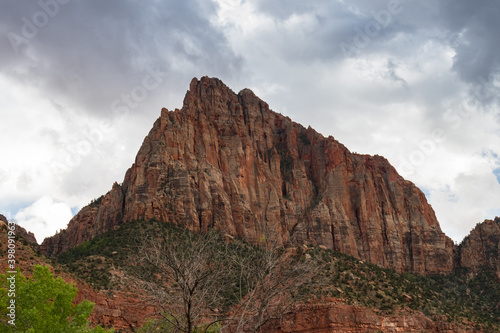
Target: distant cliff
x=481 y=248
x=20 y=231
x=226 y=160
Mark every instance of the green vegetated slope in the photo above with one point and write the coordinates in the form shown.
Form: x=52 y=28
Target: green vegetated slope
x=460 y=297
x=473 y=299
x=98 y=261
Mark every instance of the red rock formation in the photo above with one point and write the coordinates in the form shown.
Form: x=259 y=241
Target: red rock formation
x=124 y=311
x=20 y=231
x=481 y=248
x=338 y=317
x=92 y=220
x=25 y=247
x=227 y=160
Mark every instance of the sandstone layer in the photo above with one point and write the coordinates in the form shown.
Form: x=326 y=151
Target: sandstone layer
x=124 y=311
x=225 y=160
x=338 y=317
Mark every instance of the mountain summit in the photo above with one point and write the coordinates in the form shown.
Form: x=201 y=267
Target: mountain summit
x=225 y=160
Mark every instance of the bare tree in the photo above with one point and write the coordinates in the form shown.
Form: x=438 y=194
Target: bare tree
x=181 y=270
x=201 y=279
x=271 y=281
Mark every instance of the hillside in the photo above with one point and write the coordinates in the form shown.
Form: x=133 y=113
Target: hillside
x=352 y=295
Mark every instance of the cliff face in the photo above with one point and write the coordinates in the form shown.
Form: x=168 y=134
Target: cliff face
x=481 y=248
x=88 y=223
x=227 y=160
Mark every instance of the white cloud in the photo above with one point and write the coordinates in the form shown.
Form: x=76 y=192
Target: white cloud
x=46 y=143
x=470 y=199
x=44 y=217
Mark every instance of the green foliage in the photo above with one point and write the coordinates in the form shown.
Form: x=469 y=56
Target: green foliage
x=157 y=325
x=93 y=260
x=286 y=163
x=96 y=202
x=286 y=167
x=44 y=304
x=317 y=200
x=114 y=244
x=457 y=296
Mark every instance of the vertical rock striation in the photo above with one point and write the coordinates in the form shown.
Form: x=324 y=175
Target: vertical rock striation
x=226 y=160
x=481 y=248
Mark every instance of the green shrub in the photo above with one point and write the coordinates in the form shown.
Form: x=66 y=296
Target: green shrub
x=44 y=304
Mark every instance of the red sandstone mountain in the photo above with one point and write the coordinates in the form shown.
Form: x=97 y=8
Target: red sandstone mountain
x=226 y=160
x=481 y=248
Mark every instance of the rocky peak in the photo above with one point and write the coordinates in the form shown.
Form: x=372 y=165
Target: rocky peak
x=481 y=248
x=227 y=161
x=20 y=231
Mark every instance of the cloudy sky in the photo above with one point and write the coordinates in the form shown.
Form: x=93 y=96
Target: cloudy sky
x=81 y=83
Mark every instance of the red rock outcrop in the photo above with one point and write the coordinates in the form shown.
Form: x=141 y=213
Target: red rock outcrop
x=338 y=317
x=481 y=248
x=226 y=160
x=20 y=231
x=90 y=221
x=124 y=311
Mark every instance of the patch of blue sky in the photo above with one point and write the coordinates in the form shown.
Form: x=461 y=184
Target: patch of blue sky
x=10 y=210
x=493 y=212
x=497 y=174
x=75 y=210
x=426 y=192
